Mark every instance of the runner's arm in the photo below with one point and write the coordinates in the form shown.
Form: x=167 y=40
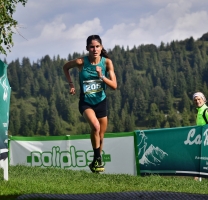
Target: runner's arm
x=69 y=65
x=111 y=81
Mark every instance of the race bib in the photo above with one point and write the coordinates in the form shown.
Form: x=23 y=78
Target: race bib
x=92 y=86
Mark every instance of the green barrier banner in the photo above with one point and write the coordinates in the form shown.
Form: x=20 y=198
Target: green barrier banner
x=5 y=91
x=173 y=151
x=204 y=151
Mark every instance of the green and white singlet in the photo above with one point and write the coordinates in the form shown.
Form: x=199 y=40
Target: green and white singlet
x=92 y=89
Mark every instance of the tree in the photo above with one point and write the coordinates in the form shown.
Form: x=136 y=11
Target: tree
x=181 y=85
x=12 y=75
x=162 y=46
x=204 y=37
x=140 y=106
x=168 y=101
x=24 y=121
x=185 y=118
x=129 y=123
x=153 y=115
x=7 y=9
x=15 y=121
x=190 y=44
x=46 y=129
x=157 y=95
x=54 y=121
x=174 y=119
x=185 y=102
x=117 y=125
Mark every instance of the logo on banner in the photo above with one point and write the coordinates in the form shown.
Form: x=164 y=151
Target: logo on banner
x=196 y=139
x=5 y=87
x=5 y=130
x=151 y=155
x=64 y=159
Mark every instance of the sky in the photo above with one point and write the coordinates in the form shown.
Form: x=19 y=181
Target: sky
x=51 y=27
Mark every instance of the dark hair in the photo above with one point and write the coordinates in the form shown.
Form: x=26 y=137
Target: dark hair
x=97 y=37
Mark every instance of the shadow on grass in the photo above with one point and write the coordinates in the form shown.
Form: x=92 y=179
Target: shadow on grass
x=14 y=197
x=8 y=197
x=157 y=195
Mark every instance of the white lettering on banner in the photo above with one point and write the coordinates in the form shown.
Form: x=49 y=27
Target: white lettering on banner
x=5 y=87
x=206 y=137
x=62 y=159
x=5 y=125
x=201 y=158
x=191 y=139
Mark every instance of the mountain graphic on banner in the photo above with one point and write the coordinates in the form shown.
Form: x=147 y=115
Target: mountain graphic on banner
x=152 y=156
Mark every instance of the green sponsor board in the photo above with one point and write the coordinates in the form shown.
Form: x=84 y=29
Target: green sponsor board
x=204 y=151
x=181 y=151
x=4 y=110
x=64 y=159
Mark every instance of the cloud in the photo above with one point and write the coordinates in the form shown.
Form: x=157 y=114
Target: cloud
x=64 y=27
x=192 y=24
x=58 y=31
x=56 y=39
x=175 y=21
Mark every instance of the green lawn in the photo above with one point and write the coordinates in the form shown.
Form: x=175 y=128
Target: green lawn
x=27 y=180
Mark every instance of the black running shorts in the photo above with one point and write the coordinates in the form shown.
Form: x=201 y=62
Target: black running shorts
x=100 y=109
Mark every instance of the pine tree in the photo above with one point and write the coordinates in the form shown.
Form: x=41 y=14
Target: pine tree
x=53 y=120
x=168 y=101
x=190 y=44
x=24 y=122
x=180 y=85
x=185 y=118
x=129 y=123
x=153 y=115
x=117 y=124
x=157 y=95
x=185 y=102
x=46 y=129
x=12 y=75
x=14 y=118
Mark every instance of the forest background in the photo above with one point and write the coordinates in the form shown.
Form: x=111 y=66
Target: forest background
x=155 y=88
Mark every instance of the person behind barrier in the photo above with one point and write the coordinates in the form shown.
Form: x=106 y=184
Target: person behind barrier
x=199 y=101
x=95 y=72
x=202 y=112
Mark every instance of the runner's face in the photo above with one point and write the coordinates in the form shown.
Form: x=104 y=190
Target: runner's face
x=198 y=101
x=94 y=48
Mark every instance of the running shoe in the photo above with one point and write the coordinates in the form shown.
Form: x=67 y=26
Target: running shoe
x=91 y=168
x=97 y=166
x=100 y=162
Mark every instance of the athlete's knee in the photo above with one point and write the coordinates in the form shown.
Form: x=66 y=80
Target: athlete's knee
x=96 y=127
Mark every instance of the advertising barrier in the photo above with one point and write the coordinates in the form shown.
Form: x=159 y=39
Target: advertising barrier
x=5 y=92
x=4 y=110
x=173 y=151
x=75 y=152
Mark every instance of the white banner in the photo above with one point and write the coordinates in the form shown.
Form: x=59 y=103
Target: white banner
x=76 y=154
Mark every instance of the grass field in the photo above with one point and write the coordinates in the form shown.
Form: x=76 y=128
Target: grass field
x=27 y=180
